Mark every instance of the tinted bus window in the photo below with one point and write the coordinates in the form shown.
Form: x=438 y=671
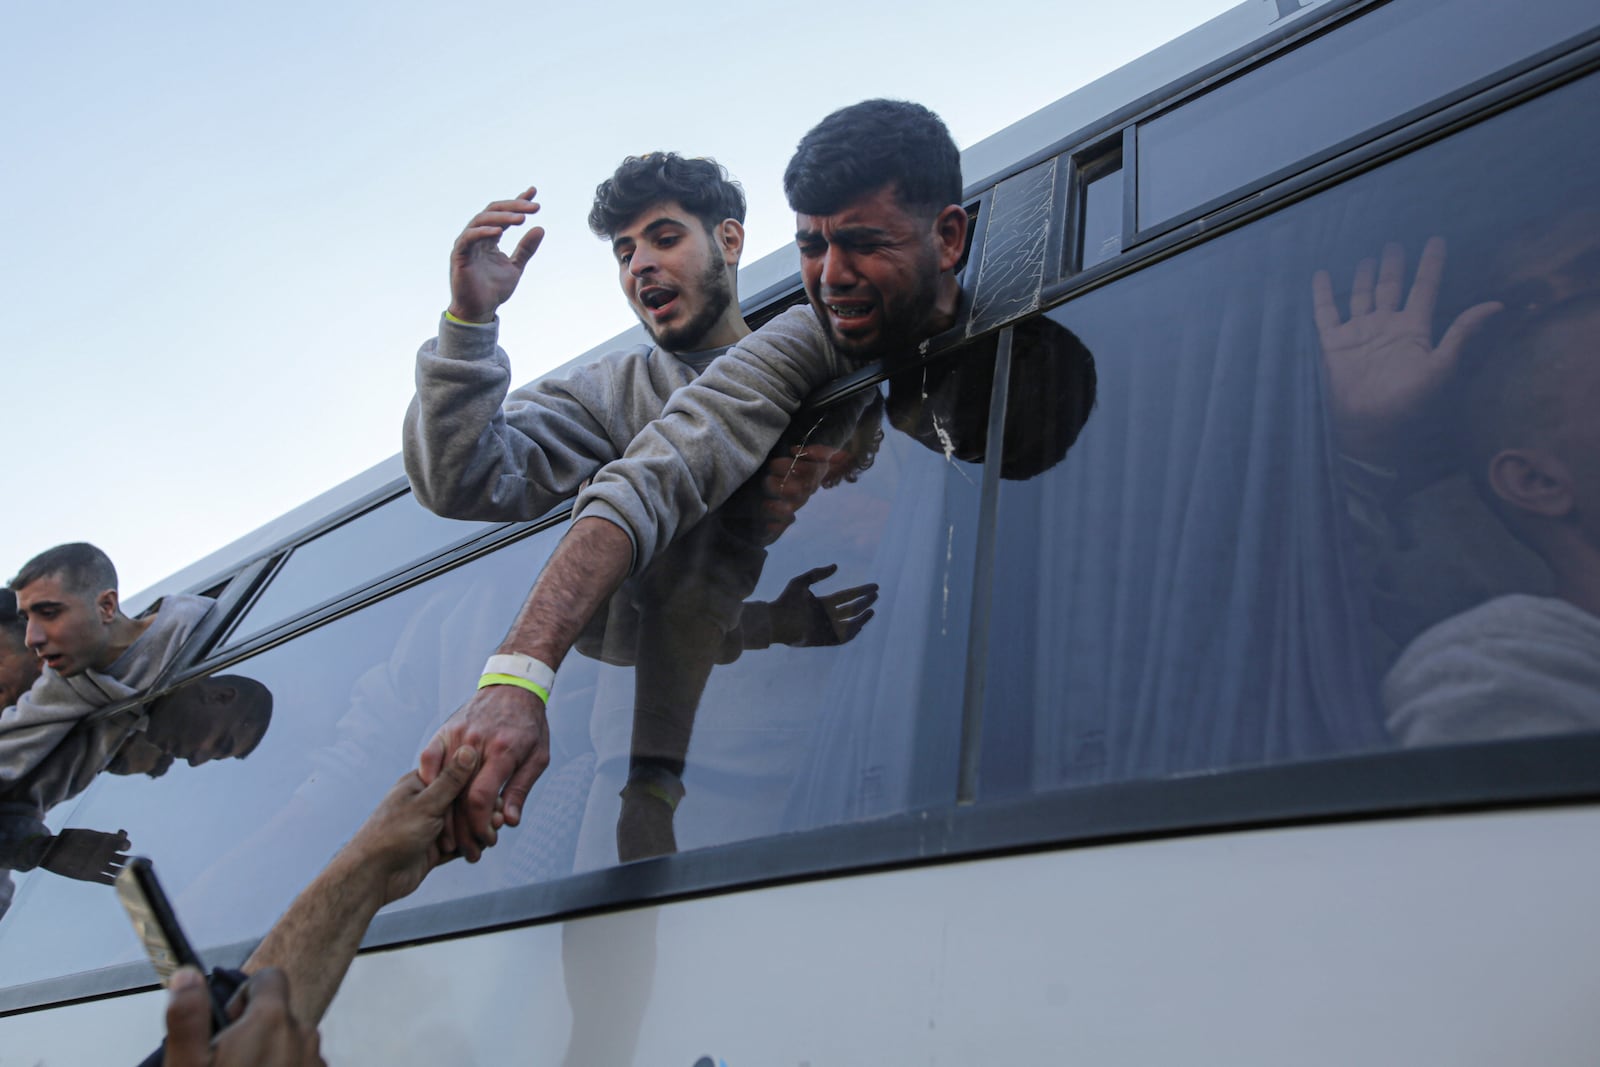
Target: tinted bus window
x=368 y=546
x=351 y=704
x=1324 y=92
x=1301 y=521
x=1100 y=186
x=796 y=660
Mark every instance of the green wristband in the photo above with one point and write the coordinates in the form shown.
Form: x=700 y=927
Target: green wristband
x=521 y=683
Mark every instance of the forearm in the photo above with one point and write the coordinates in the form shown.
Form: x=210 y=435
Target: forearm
x=585 y=569
x=318 y=936
x=711 y=436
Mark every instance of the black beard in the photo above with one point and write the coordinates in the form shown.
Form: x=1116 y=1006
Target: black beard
x=717 y=294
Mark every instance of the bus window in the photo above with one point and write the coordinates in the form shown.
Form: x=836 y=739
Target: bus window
x=1099 y=193
x=1277 y=538
x=351 y=704
x=794 y=661
x=1324 y=93
x=370 y=545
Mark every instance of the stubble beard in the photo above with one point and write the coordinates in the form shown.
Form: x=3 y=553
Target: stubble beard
x=715 y=293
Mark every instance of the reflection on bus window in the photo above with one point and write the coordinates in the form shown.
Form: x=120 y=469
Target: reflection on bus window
x=1297 y=526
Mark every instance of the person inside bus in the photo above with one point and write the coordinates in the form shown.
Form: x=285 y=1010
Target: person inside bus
x=300 y=964
x=880 y=229
x=93 y=656
x=1520 y=664
x=19 y=667
x=1427 y=544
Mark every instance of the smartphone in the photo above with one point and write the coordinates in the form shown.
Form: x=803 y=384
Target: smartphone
x=158 y=928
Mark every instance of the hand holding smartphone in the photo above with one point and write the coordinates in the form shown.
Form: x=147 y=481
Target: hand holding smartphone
x=157 y=926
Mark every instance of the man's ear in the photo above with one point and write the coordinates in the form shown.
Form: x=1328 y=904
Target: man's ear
x=950 y=232
x=730 y=235
x=1533 y=481
x=105 y=606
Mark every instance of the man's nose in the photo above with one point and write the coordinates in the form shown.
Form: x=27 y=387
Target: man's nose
x=838 y=269
x=33 y=637
x=641 y=263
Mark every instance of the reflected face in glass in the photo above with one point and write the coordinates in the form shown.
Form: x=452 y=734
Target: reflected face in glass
x=221 y=717
x=872 y=270
x=66 y=630
x=1557 y=264
x=675 y=276
x=19 y=667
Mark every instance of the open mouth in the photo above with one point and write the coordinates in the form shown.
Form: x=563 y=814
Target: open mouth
x=656 y=298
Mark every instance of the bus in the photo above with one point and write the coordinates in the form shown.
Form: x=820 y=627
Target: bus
x=1243 y=715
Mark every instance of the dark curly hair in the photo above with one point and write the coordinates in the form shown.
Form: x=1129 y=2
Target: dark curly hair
x=701 y=185
x=865 y=146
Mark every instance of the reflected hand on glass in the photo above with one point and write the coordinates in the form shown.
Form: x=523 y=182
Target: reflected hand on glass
x=803 y=619
x=482 y=277
x=506 y=726
x=1382 y=364
x=87 y=855
x=789 y=481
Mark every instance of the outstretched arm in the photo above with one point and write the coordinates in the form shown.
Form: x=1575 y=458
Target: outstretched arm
x=387 y=859
x=507 y=724
x=714 y=433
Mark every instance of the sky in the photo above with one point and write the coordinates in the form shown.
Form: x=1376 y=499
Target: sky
x=226 y=229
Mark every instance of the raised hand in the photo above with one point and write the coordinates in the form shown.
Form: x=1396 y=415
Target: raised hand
x=87 y=855
x=803 y=619
x=787 y=482
x=1382 y=364
x=482 y=277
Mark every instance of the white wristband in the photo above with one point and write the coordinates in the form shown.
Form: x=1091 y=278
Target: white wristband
x=524 y=667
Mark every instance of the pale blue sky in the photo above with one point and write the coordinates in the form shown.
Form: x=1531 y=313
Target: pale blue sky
x=226 y=228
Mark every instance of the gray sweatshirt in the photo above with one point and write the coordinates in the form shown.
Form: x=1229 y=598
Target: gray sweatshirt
x=671 y=437
x=44 y=716
x=1515 y=666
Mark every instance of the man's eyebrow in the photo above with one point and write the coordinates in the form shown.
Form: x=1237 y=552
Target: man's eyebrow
x=662 y=223
x=37 y=604
x=847 y=234
x=655 y=226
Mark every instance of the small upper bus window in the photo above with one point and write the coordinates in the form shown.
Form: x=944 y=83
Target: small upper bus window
x=1340 y=486
x=1099 y=192
x=1323 y=92
x=368 y=546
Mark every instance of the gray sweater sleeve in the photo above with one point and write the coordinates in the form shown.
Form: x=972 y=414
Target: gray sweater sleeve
x=472 y=452
x=712 y=435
